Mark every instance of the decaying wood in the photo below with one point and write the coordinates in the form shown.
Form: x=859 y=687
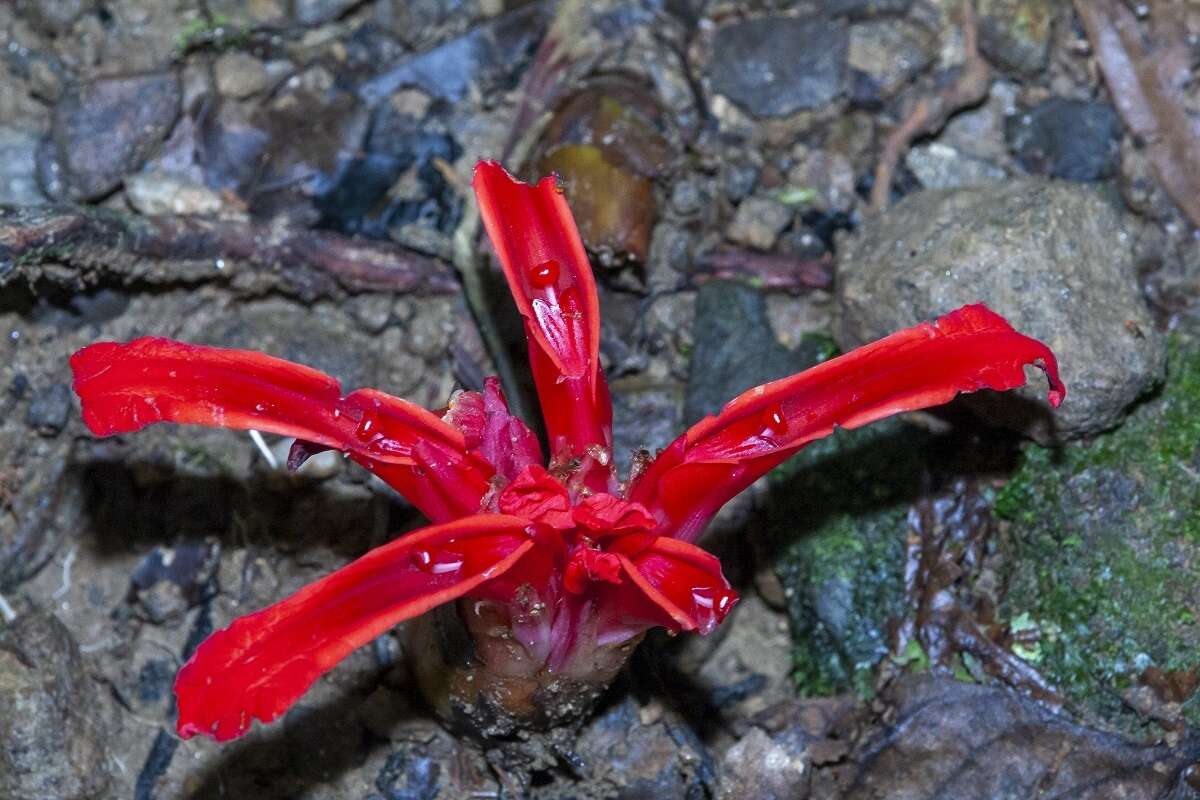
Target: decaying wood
x=931 y=113
x=77 y=246
x=947 y=542
x=1146 y=76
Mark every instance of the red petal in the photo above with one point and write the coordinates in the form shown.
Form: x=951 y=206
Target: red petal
x=503 y=440
x=535 y=238
x=125 y=387
x=262 y=663
x=966 y=350
x=673 y=584
x=607 y=514
x=536 y=495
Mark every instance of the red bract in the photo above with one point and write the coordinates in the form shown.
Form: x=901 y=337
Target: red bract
x=566 y=559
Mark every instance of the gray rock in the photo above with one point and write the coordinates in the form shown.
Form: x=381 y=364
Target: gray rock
x=866 y=8
x=735 y=348
x=765 y=768
x=1015 y=34
x=1076 y=140
x=18 y=181
x=774 y=66
x=758 y=222
x=938 y=166
x=104 y=130
x=50 y=409
x=1055 y=259
x=738 y=179
x=890 y=52
x=158 y=193
x=52 y=741
x=629 y=760
x=53 y=16
x=316 y=12
x=240 y=75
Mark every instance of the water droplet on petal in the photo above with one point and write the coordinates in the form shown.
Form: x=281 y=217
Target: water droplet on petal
x=366 y=426
x=543 y=275
x=711 y=604
x=773 y=421
x=437 y=562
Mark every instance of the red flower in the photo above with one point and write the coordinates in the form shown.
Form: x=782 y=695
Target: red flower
x=576 y=559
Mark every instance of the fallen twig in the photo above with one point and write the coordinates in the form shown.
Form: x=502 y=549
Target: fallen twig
x=931 y=113
x=75 y=245
x=775 y=271
x=1145 y=77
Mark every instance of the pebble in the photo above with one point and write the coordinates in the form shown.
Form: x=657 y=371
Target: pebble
x=758 y=222
x=240 y=75
x=104 y=130
x=161 y=193
x=1076 y=140
x=774 y=66
x=50 y=409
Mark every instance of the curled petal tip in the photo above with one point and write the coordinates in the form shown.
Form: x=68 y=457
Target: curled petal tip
x=1058 y=390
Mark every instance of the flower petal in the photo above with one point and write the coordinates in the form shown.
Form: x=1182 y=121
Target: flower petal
x=264 y=662
x=536 y=495
x=503 y=440
x=535 y=238
x=966 y=350
x=125 y=387
x=671 y=583
x=605 y=514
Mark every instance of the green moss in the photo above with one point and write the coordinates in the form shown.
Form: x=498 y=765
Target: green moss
x=837 y=517
x=216 y=32
x=1103 y=549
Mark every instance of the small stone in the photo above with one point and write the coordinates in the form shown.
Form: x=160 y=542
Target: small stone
x=429 y=332
x=764 y=768
x=738 y=178
x=316 y=12
x=18 y=171
x=686 y=197
x=267 y=11
x=372 y=311
x=828 y=177
x=170 y=580
x=161 y=193
x=1055 y=259
x=50 y=409
x=774 y=66
x=412 y=102
x=53 y=16
x=52 y=719
x=106 y=129
x=890 y=52
x=240 y=75
x=938 y=166
x=1015 y=34
x=758 y=222
x=45 y=80
x=1077 y=140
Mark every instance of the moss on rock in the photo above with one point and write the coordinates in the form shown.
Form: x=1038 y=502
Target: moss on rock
x=1103 y=550
x=837 y=517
